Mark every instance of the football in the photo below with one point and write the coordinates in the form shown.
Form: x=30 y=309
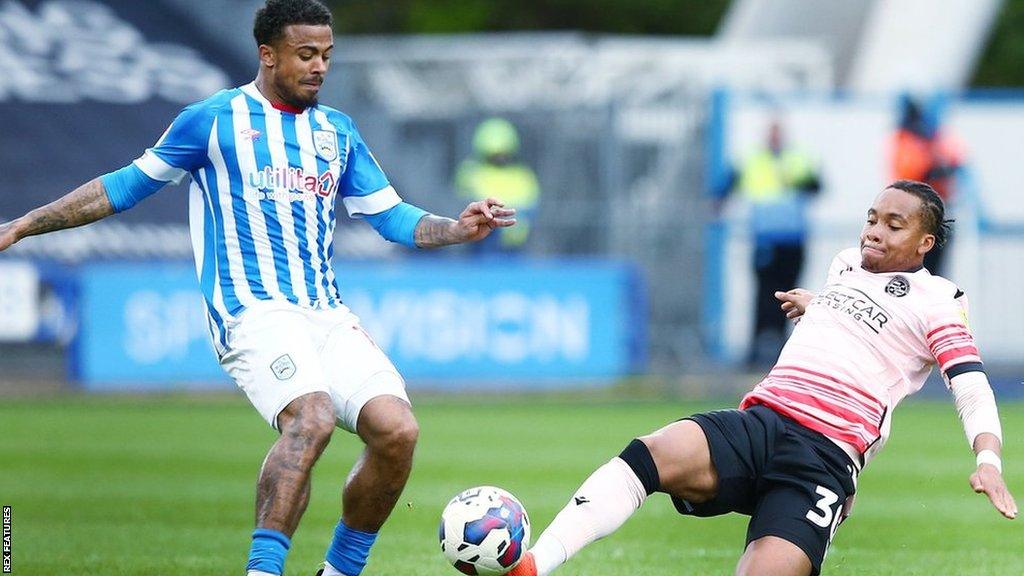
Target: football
x=484 y=531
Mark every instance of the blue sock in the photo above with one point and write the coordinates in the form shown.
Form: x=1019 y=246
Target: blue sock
x=269 y=548
x=349 y=549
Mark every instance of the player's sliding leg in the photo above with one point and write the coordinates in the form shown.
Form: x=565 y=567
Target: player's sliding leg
x=600 y=506
x=674 y=459
x=773 y=556
x=387 y=425
x=282 y=493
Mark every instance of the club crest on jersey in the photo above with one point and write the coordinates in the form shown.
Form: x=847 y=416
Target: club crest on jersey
x=326 y=144
x=898 y=286
x=283 y=368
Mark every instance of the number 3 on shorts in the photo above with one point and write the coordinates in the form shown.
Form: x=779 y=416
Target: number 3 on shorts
x=822 y=514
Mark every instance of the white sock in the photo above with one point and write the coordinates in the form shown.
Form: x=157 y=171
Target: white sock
x=331 y=570
x=599 y=507
x=258 y=573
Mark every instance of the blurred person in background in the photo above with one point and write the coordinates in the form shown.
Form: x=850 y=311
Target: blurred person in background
x=494 y=170
x=924 y=151
x=790 y=456
x=775 y=183
x=268 y=162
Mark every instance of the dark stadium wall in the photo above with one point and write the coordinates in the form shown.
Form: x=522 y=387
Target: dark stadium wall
x=88 y=91
x=658 y=17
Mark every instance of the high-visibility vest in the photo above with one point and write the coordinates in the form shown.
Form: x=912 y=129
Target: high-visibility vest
x=765 y=177
x=772 y=186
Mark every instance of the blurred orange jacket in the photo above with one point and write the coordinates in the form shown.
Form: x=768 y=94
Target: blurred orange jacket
x=930 y=160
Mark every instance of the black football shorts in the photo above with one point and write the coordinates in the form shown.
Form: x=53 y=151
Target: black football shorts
x=791 y=480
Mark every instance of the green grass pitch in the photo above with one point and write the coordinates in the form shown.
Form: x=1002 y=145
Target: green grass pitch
x=164 y=485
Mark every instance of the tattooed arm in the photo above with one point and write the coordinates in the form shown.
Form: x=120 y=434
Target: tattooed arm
x=435 y=231
x=87 y=203
x=475 y=223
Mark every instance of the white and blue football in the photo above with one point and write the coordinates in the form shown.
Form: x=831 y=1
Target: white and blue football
x=484 y=531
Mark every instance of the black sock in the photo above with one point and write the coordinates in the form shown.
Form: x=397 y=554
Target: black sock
x=639 y=459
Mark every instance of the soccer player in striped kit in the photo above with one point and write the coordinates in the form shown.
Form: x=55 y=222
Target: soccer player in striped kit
x=268 y=164
x=790 y=455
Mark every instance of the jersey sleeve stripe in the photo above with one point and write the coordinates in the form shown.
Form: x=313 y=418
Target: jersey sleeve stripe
x=953 y=344
x=156 y=168
x=951 y=337
x=951 y=357
x=931 y=334
x=951 y=334
x=373 y=203
x=963 y=368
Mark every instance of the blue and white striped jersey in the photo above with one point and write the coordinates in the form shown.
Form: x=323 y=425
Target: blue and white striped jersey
x=262 y=199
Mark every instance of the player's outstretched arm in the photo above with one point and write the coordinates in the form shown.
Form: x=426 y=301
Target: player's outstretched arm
x=85 y=204
x=988 y=478
x=976 y=407
x=475 y=223
x=794 y=302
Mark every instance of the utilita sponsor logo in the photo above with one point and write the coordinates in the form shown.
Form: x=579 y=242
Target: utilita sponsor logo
x=270 y=181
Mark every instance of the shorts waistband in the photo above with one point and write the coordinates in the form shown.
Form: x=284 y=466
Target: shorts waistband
x=841 y=450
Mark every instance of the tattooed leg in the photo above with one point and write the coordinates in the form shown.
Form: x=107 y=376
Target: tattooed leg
x=283 y=490
x=387 y=425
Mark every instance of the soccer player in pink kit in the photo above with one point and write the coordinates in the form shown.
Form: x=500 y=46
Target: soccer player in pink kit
x=790 y=455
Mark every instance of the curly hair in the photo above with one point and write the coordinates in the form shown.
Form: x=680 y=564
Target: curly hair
x=933 y=210
x=272 y=19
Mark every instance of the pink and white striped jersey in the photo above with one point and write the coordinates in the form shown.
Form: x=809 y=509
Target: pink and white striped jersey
x=865 y=342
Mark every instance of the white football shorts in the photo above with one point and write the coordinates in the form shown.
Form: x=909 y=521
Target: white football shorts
x=278 y=351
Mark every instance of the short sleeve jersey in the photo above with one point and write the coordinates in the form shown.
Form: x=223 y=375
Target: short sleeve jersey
x=866 y=341
x=262 y=200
